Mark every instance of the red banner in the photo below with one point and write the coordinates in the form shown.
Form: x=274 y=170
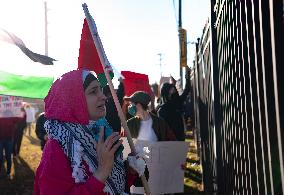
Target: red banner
x=135 y=82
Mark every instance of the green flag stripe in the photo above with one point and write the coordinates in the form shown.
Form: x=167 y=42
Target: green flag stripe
x=102 y=78
x=24 y=86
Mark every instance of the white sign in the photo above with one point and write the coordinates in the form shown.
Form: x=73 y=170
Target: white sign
x=10 y=106
x=164 y=165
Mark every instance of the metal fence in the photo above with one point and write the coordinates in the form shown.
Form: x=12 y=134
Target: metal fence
x=238 y=97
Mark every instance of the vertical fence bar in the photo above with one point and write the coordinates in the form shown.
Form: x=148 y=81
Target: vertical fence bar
x=258 y=94
x=271 y=9
x=237 y=102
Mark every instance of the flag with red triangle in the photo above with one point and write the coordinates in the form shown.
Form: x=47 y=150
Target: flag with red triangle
x=89 y=54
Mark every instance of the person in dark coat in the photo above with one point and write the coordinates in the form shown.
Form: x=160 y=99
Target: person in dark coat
x=40 y=131
x=120 y=91
x=7 y=133
x=145 y=125
x=19 y=131
x=123 y=103
x=171 y=109
x=111 y=111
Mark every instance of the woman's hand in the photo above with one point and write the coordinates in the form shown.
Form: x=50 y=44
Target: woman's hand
x=105 y=153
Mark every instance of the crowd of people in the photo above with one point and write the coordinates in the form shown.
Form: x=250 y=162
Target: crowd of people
x=80 y=133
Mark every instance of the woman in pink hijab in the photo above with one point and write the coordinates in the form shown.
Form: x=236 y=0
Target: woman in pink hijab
x=76 y=158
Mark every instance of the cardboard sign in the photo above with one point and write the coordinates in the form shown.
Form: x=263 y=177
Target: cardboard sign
x=164 y=165
x=135 y=82
x=10 y=106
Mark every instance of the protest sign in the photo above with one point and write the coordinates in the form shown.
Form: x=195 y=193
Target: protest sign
x=135 y=82
x=164 y=165
x=10 y=106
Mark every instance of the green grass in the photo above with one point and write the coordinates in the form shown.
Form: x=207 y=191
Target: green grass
x=193 y=172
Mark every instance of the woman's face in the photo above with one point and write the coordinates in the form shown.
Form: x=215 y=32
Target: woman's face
x=95 y=101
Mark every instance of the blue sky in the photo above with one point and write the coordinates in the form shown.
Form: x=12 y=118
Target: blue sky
x=133 y=32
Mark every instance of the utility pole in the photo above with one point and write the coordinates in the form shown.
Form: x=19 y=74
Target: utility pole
x=160 y=54
x=45 y=29
x=182 y=44
x=179 y=28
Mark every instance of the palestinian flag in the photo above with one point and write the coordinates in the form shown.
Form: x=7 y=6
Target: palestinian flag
x=89 y=54
x=24 y=86
x=20 y=76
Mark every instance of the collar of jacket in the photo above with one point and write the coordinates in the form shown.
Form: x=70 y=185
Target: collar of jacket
x=134 y=126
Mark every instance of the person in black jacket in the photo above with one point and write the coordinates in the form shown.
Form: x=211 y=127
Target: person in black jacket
x=40 y=131
x=19 y=131
x=171 y=109
x=111 y=111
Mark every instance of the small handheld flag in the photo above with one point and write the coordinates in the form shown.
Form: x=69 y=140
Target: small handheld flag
x=89 y=54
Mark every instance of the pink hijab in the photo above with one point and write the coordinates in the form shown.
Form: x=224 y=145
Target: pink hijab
x=66 y=100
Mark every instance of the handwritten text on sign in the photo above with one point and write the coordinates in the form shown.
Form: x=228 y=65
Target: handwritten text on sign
x=10 y=106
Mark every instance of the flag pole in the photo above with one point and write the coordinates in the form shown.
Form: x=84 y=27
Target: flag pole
x=117 y=105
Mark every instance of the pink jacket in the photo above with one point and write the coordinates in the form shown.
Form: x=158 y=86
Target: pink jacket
x=54 y=175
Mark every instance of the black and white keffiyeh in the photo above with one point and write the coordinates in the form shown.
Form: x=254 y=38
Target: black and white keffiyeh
x=78 y=143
